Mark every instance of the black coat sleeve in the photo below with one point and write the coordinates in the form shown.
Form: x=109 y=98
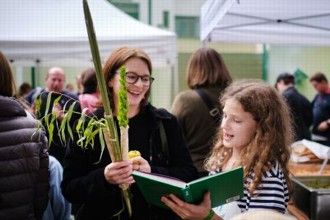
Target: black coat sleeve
x=84 y=181
x=180 y=164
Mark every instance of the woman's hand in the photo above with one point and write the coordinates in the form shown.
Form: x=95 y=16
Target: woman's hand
x=189 y=211
x=140 y=164
x=119 y=172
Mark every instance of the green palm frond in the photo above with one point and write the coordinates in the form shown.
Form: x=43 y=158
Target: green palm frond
x=111 y=126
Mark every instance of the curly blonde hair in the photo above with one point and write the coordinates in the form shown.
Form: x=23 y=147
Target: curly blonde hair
x=273 y=135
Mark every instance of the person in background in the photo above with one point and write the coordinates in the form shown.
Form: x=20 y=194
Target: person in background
x=79 y=84
x=24 y=182
x=300 y=107
x=54 y=82
x=24 y=90
x=93 y=181
x=207 y=73
x=321 y=109
x=255 y=133
x=90 y=98
x=70 y=88
x=58 y=208
x=54 y=90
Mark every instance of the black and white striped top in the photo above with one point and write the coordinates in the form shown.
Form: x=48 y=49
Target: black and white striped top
x=272 y=192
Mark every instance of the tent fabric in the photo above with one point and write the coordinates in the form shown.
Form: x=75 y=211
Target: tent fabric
x=48 y=30
x=305 y=22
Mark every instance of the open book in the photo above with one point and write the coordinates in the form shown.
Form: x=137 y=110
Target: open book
x=224 y=187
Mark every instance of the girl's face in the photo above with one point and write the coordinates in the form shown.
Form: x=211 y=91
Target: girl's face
x=238 y=126
x=138 y=81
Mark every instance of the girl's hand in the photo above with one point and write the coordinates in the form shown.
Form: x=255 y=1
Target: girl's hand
x=140 y=164
x=189 y=211
x=119 y=172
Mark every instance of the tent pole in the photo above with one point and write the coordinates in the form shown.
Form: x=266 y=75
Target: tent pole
x=34 y=72
x=33 y=76
x=150 y=12
x=265 y=59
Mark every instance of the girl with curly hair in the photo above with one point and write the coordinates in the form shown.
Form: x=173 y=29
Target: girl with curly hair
x=255 y=133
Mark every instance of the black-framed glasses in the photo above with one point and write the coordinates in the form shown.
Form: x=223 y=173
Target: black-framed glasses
x=132 y=78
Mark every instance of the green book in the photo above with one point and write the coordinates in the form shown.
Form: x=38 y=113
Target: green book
x=224 y=187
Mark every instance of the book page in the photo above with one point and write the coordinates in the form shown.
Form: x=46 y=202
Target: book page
x=162 y=178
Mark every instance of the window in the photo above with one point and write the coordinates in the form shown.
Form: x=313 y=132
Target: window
x=129 y=8
x=166 y=19
x=187 y=27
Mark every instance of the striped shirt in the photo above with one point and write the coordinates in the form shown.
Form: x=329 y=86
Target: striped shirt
x=272 y=192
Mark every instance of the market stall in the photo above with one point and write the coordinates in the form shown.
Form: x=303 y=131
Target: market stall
x=310 y=172
x=55 y=31
x=293 y=22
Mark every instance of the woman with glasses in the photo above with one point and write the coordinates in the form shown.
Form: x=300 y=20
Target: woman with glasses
x=154 y=132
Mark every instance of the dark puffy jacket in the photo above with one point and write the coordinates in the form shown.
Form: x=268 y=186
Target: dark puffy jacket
x=24 y=172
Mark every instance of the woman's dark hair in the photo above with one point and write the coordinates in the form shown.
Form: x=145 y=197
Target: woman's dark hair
x=7 y=82
x=205 y=68
x=24 y=89
x=89 y=81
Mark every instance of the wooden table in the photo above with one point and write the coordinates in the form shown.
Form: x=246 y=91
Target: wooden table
x=308 y=169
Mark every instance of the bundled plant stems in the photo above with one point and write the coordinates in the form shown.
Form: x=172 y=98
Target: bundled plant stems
x=122 y=114
x=110 y=132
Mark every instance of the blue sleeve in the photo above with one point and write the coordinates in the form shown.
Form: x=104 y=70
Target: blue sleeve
x=58 y=207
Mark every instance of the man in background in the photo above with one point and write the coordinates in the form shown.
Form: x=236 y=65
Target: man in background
x=321 y=109
x=59 y=101
x=300 y=107
x=54 y=82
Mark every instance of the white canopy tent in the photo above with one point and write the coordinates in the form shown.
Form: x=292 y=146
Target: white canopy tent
x=292 y=22
x=43 y=33
x=55 y=31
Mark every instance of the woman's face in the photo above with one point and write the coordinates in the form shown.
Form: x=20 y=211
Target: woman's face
x=138 y=82
x=238 y=126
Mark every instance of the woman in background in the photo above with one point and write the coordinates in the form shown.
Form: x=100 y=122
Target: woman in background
x=207 y=74
x=90 y=98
